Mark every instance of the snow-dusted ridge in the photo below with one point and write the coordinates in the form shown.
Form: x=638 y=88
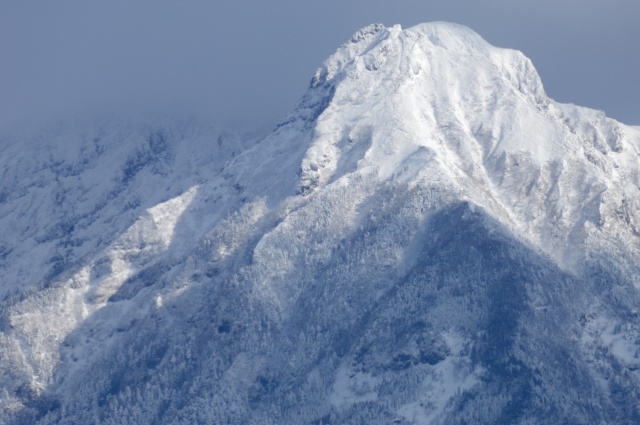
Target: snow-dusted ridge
x=427 y=238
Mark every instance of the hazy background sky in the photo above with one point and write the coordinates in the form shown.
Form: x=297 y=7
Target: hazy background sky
x=247 y=62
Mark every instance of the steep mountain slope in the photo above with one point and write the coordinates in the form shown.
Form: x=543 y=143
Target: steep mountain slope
x=427 y=238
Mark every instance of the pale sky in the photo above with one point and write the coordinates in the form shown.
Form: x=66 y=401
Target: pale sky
x=247 y=62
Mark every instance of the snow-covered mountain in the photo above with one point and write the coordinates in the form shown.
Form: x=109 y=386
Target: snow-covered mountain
x=426 y=239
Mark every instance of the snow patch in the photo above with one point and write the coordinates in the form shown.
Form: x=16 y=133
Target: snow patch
x=447 y=379
x=350 y=388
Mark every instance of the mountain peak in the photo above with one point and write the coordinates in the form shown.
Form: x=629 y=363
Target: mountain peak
x=433 y=42
x=436 y=102
x=428 y=238
x=414 y=82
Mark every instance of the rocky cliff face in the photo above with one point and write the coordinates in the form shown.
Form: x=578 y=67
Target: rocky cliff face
x=427 y=238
